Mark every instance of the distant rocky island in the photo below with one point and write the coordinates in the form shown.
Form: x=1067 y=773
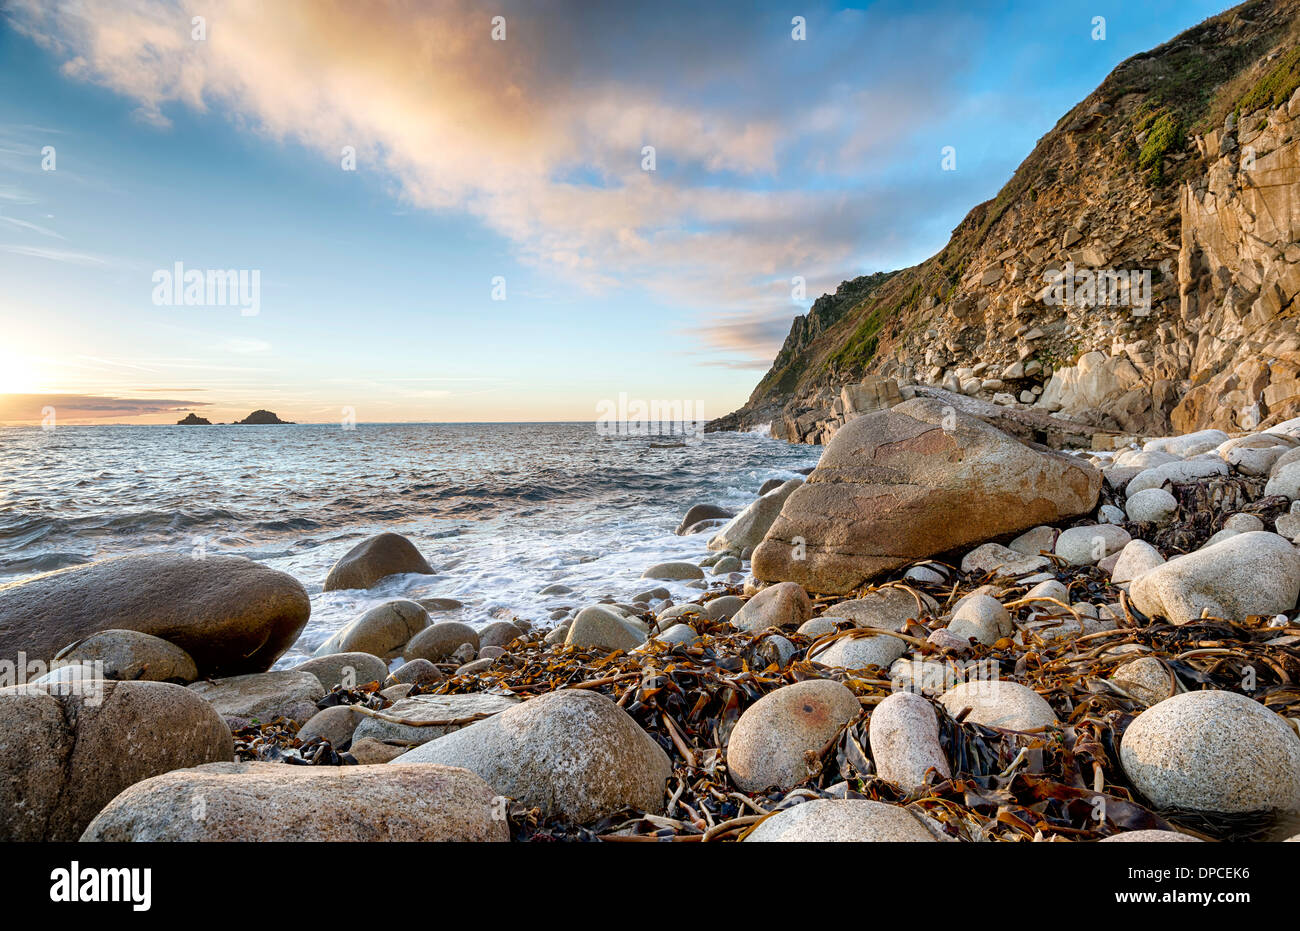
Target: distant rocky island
x=262 y=417
x=192 y=419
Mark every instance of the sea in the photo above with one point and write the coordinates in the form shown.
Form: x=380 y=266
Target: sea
x=501 y=511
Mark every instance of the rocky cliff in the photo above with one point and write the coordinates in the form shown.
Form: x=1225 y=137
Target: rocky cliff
x=1136 y=274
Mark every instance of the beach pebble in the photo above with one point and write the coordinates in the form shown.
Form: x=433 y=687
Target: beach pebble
x=1050 y=588
x=1146 y=679
x=230 y=614
x=264 y=696
x=768 y=743
x=473 y=667
x=333 y=724
x=63 y=757
x=999 y=703
x=888 y=608
x=727 y=564
x=653 y=594
x=854 y=651
x=916 y=675
x=676 y=634
x=925 y=575
x=684 y=610
x=821 y=626
x=1285 y=481
x=904 y=736
x=1083 y=546
x=416 y=672
x=439 y=604
x=1137 y=557
x=346 y=669
x=419 y=708
x=775 y=650
x=947 y=641
x=556 y=588
x=841 y=820
x=1035 y=542
x=998 y=559
x=557 y=635
x=1154 y=504
x=1109 y=514
x=440 y=641
x=382 y=631
x=1246 y=574
x=274 y=802
x=1213 y=751
x=133 y=656
x=982 y=617
x=373 y=559
x=1243 y=523
x=367 y=751
x=491 y=652
x=603 y=628
x=673 y=571
x=572 y=753
x=497 y=634
x=783 y=605
x=723 y=607
x=1252 y=460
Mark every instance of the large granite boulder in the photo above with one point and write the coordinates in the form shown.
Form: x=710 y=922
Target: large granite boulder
x=65 y=753
x=274 y=802
x=230 y=614
x=571 y=752
x=376 y=558
x=911 y=482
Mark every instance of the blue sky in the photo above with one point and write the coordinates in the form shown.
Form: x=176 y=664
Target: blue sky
x=478 y=159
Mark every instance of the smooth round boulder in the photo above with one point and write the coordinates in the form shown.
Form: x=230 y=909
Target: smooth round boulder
x=999 y=703
x=381 y=631
x=1285 y=480
x=843 y=821
x=420 y=718
x=1154 y=505
x=1213 y=751
x=603 y=628
x=348 y=670
x=63 y=757
x=415 y=672
x=264 y=696
x=333 y=724
x=782 y=605
x=768 y=743
x=438 y=642
x=572 y=752
x=230 y=614
x=673 y=571
x=1256 y=573
x=724 y=607
x=904 y=734
x=1137 y=557
x=132 y=656
x=982 y=617
x=859 y=650
x=498 y=634
x=274 y=802
x=1083 y=546
x=1145 y=678
x=702 y=512
x=373 y=559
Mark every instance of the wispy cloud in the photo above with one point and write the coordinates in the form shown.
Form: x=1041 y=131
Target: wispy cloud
x=75 y=408
x=67 y=256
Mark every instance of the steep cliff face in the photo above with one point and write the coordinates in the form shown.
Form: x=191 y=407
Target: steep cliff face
x=1137 y=270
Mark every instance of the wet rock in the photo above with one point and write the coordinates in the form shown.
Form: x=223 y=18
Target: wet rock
x=904 y=735
x=783 y=605
x=768 y=743
x=702 y=512
x=133 y=656
x=748 y=528
x=382 y=631
x=438 y=642
x=727 y=564
x=374 y=559
x=999 y=703
x=230 y=614
x=416 y=672
x=64 y=756
x=571 y=752
x=346 y=669
x=673 y=571
x=1213 y=751
x=603 y=628
x=498 y=634
x=264 y=696
x=1246 y=574
x=841 y=820
x=273 y=802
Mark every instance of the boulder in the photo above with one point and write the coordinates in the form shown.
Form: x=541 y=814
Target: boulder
x=1150 y=836
x=264 y=696
x=1189 y=444
x=1213 y=751
x=888 y=607
x=841 y=820
x=1137 y=557
x=858 y=650
x=438 y=642
x=747 y=529
x=999 y=703
x=603 y=628
x=346 y=669
x=133 y=656
x=784 y=605
x=417 y=672
x=571 y=752
x=1145 y=678
x=336 y=724
x=1176 y=473
x=904 y=736
x=1083 y=546
x=673 y=572
x=418 y=713
x=768 y=744
x=273 y=802
x=1000 y=560
x=64 y=756
x=702 y=512
x=1285 y=481
x=723 y=607
x=498 y=634
x=915 y=481
x=1151 y=504
x=382 y=631
x=376 y=558
x=982 y=617
x=1243 y=575
x=230 y=614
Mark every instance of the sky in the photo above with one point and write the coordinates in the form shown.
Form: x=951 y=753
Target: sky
x=438 y=220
